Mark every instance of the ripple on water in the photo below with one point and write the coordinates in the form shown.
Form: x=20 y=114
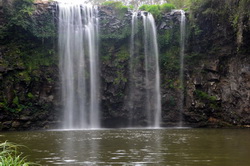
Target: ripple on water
x=128 y=147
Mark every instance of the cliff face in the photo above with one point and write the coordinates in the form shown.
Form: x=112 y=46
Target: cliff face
x=115 y=54
x=217 y=72
x=28 y=68
x=218 y=69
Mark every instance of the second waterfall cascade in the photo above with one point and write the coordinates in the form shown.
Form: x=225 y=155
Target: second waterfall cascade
x=144 y=84
x=78 y=49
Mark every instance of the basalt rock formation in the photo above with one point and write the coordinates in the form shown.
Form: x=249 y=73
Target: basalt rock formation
x=217 y=72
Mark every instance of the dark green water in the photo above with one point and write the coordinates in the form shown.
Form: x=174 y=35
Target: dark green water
x=166 y=147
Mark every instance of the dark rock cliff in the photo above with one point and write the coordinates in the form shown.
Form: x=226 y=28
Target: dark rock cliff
x=28 y=68
x=218 y=65
x=217 y=72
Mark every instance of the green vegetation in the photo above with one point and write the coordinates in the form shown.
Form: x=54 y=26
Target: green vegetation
x=167 y=7
x=108 y=33
x=182 y=4
x=204 y=96
x=119 y=8
x=211 y=101
x=230 y=15
x=169 y=45
x=14 y=106
x=153 y=9
x=30 y=95
x=121 y=57
x=170 y=60
x=19 y=13
x=22 y=21
x=114 y=4
x=28 y=64
x=17 y=104
x=156 y=10
x=10 y=156
x=29 y=56
x=43 y=28
x=221 y=10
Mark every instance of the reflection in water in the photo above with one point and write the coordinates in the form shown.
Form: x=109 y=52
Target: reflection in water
x=168 y=147
x=79 y=148
x=75 y=147
x=110 y=147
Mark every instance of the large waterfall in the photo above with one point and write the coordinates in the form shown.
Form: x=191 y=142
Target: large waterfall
x=145 y=85
x=78 y=49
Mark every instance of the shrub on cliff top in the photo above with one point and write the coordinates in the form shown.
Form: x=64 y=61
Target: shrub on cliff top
x=20 y=18
x=167 y=7
x=119 y=8
x=156 y=10
x=153 y=9
x=116 y=5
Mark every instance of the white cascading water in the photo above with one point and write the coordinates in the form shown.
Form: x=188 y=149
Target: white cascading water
x=151 y=66
x=182 y=55
x=78 y=49
x=133 y=69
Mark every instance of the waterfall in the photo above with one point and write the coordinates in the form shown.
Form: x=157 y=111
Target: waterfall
x=133 y=70
x=182 y=55
x=78 y=49
x=152 y=70
x=151 y=76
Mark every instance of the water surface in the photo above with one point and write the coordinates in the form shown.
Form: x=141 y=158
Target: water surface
x=166 y=147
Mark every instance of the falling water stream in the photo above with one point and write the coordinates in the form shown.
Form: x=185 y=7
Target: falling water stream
x=78 y=48
x=152 y=70
x=151 y=79
x=182 y=55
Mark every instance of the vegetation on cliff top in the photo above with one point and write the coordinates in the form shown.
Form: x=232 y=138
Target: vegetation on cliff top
x=221 y=17
x=22 y=18
x=119 y=8
x=156 y=10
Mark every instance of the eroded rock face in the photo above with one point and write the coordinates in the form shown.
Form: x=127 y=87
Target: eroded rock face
x=217 y=76
x=218 y=85
x=28 y=76
x=215 y=94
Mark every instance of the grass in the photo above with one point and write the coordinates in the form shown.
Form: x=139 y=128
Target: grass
x=10 y=156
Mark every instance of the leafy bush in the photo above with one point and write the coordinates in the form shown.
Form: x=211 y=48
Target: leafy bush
x=156 y=10
x=153 y=9
x=167 y=7
x=118 y=6
x=204 y=96
x=19 y=13
x=21 y=18
x=180 y=4
x=9 y=155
